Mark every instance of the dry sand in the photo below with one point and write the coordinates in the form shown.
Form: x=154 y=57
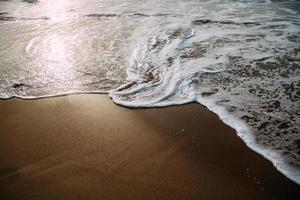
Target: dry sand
x=86 y=147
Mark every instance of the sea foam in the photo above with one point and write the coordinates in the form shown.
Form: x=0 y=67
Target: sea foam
x=247 y=72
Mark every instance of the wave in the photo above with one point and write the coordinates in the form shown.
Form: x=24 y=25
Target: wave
x=238 y=75
x=240 y=61
x=5 y=16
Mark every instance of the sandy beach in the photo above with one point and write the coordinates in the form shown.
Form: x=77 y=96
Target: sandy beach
x=86 y=147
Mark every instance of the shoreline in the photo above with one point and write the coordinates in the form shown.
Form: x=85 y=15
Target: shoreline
x=84 y=145
x=242 y=130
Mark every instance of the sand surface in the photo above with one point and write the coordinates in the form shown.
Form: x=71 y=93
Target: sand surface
x=86 y=147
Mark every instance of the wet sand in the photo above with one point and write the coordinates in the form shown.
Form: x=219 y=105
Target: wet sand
x=86 y=147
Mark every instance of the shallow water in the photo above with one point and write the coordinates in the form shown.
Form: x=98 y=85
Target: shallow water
x=238 y=58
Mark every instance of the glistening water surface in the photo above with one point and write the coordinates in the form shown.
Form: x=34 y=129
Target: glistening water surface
x=238 y=58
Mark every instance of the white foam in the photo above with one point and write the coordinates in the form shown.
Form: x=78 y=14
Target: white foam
x=245 y=133
x=225 y=62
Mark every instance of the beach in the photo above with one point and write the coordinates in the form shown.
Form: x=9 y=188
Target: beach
x=87 y=147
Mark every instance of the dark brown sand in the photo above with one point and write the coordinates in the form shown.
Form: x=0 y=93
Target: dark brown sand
x=86 y=147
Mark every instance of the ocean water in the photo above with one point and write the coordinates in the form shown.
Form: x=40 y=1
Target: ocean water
x=239 y=58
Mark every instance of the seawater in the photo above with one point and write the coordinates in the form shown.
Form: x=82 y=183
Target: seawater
x=238 y=58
